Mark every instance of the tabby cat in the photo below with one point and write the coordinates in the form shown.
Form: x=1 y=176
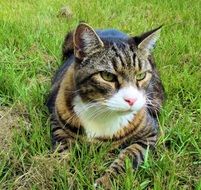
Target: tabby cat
x=108 y=89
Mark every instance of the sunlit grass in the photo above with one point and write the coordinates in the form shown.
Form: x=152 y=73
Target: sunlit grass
x=31 y=34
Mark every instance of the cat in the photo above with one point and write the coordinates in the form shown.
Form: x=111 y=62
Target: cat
x=108 y=89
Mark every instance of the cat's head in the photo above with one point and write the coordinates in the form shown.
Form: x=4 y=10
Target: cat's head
x=114 y=73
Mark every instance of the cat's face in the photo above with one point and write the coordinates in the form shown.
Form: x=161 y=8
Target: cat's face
x=112 y=75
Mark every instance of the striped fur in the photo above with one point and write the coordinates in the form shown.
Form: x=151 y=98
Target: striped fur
x=83 y=104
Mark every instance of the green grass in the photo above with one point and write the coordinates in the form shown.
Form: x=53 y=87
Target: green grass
x=31 y=34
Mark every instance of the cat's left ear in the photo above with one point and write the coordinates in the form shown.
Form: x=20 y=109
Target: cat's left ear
x=86 y=41
x=147 y=41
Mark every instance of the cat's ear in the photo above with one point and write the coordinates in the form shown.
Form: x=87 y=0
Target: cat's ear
x=86 y=41
x=147 y=41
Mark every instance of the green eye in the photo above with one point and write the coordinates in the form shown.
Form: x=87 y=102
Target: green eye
x=107 y=76
x=140 y=76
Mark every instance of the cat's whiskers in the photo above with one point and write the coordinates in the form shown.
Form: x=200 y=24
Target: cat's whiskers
x=149 y=106
x=91 y=115
x=150 y=103
x=99 y=112
x=97 y=109
x=86 y=107
x=77 y=114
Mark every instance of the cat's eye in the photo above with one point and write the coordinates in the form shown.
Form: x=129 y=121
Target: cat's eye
x=140 y=76
x=107 y=76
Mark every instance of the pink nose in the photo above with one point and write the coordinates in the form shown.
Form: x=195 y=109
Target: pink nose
x=130 y=101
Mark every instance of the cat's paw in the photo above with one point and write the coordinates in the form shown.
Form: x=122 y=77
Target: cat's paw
x=104 y=182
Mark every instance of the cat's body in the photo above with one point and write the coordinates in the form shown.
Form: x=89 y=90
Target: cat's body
x=108 y=89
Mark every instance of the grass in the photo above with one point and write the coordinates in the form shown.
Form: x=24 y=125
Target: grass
x=31 y=34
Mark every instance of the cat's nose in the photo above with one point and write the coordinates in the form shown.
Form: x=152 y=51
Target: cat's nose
x=130 y=101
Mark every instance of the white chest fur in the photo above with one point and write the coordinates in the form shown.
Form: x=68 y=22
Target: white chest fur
x=98 y=122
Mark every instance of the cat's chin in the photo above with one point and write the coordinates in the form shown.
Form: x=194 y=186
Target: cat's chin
x=122 y=112
x=125 y=112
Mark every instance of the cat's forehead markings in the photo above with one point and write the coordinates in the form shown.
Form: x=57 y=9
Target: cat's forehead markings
x=121 y=55
x=141 y=55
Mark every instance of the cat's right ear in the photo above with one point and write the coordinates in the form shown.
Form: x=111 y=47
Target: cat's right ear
x=86 y=41
x=146 y=41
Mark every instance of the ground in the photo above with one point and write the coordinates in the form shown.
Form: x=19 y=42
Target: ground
x=31 y=35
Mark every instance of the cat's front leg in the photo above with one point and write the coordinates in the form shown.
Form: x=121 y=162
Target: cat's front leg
x=135 y=152
x=61 y=138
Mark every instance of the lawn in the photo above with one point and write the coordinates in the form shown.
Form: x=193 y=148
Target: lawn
x=31 y=35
